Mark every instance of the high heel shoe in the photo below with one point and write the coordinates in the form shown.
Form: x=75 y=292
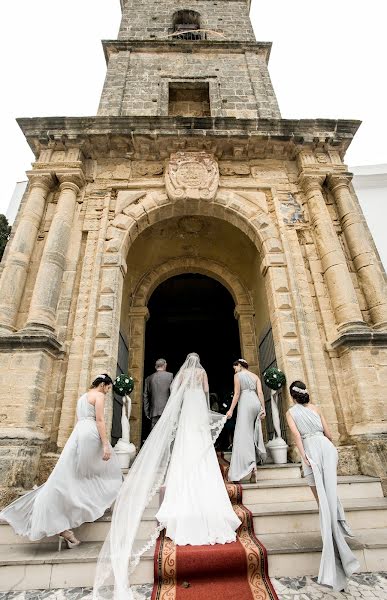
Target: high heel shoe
x=254 y=476
x=70 y=540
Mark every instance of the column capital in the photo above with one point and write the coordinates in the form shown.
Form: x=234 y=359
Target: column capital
x=339 y=180
x=311 y=181
x=139 y=311
x=243 y=311
x=74 y=179
x=42 y=179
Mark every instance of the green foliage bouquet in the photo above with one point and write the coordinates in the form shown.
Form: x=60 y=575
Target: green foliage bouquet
x=123 y=385
x=274 y=378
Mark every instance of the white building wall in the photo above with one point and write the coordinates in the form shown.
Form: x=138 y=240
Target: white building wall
x=370 y=183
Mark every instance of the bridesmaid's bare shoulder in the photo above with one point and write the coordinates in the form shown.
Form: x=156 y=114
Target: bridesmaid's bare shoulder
x=94 y=395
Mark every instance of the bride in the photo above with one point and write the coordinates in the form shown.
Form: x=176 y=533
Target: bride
x=179 y=453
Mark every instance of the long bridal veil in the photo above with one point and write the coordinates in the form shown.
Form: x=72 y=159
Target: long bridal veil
x=121 y=551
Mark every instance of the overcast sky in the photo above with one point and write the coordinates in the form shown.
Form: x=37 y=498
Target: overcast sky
x=328 y=60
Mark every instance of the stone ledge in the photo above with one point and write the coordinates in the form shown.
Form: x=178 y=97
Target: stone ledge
x=31 y=341
x=164 y=132
x=182 y=46
x=359 y=338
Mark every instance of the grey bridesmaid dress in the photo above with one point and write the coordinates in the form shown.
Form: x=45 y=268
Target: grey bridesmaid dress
x=80 y=488
x=248 y=443
x=337 y=560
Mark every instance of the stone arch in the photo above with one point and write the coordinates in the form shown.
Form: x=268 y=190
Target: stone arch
x=189 y=264
x=245 y=210
x=244 y=313
x=136 y=210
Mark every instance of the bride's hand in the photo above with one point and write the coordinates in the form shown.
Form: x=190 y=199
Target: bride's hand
x=229 y=414
x=262 y=414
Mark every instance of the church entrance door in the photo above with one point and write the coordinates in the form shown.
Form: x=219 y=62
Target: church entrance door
x=193 y=313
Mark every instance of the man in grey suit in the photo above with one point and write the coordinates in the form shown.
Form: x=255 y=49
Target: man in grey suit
x=156 y=391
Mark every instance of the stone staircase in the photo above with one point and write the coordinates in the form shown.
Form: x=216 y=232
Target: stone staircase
x=285 y=520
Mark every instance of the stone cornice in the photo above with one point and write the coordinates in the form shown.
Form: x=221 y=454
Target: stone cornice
x=156 y=137
x=170 y=45
x=359 y=338
x=32 y=342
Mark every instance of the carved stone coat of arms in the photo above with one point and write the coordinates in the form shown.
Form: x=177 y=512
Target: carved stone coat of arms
x=192 y=175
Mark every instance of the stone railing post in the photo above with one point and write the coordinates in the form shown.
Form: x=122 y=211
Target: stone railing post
x=44 y=302
x=335 y=270
x=16 y=267
x=361 y=251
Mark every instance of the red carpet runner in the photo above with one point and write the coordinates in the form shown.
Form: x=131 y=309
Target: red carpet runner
x=236 y=571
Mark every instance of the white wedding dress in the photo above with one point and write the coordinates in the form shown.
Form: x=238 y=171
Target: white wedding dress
x=196 y=509
x=178 y=456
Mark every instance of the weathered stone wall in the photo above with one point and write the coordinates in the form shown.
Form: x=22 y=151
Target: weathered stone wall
x=150 y=19
x=239 y=82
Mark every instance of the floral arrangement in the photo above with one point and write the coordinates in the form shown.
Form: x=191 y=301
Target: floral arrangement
x=123 y=384
x=274 y=378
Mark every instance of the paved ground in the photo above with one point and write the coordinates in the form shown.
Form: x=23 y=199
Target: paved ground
x=366 y=586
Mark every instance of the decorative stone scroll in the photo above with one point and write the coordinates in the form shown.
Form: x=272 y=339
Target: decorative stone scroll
x=192 y=175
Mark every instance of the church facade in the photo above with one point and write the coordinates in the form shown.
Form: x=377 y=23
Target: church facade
x=188 y=174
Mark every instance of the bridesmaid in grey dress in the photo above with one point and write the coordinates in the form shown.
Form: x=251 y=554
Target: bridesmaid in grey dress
x=248 y=439
x=319 y=458
x=84 y=483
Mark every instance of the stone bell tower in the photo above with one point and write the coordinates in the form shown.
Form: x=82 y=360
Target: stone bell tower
x=204 y=61
x=188 y=167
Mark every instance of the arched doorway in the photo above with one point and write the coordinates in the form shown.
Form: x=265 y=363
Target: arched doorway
x=193 y=313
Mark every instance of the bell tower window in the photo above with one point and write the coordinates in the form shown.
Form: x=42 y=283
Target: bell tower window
x=189 y=99
x=186 y=25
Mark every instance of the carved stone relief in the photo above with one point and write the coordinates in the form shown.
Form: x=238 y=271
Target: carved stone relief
x=192 y=175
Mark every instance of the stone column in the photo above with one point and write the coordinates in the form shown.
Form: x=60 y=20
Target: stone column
x=16 y=267
x=361 y=251
x=337 y=277
x=44 y=302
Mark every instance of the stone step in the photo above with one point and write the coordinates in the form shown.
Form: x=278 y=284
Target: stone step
x=271 y=471
x=283 y=497
x=302 y=517
x=31 y=566
x=269 y=518
x=297 y=490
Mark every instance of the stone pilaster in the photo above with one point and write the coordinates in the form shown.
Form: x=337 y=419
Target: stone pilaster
x=338 y=279
x=245 y=316
x=45 y=297
x=138 y=319
x=16 y=268
x=361 y=251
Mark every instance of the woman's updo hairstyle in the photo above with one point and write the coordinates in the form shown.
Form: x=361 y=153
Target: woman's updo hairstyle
x=241 y=362
x=299 y=392
x=103 y=378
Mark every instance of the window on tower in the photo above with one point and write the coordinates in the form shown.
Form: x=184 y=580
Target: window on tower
x=186 y=25
x=189 y=99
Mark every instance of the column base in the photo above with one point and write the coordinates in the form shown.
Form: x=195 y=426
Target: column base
x=32 y=340
x=373 y=456
x=382 y=326
x=19 y=460
x=38 y=327
x=6 y=329
x=352 y=326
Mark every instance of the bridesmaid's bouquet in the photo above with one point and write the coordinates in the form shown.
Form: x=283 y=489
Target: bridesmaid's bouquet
x=274 y=378
x=123 y=385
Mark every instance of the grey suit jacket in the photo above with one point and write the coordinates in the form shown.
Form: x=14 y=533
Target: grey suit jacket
x=156 y=393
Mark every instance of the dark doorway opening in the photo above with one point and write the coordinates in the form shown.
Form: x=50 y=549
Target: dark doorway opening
x=193 y=313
